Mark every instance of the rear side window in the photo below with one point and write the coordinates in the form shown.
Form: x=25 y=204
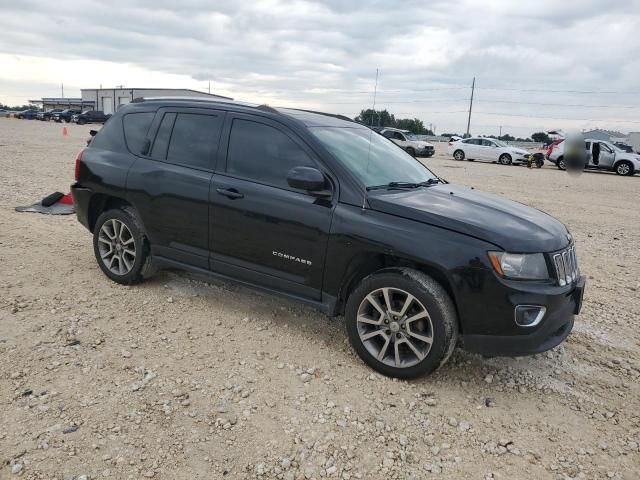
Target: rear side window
x=194 y=140
x=262 y=153
x=136 y=127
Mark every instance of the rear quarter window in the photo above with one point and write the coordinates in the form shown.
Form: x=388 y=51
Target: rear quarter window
x=110 y=136
x=136 y=127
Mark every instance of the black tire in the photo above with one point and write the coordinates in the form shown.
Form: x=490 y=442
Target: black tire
x=142 y=263
x=505 y=159
x=411 y=151
x=560 y=163
x=624 y=168
x=81 y=122
x=458 y=155
x=437 y=303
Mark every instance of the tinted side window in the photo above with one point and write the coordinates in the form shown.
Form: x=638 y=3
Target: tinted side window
x=262 y=153
x=159 y=150
x=136 y=127
x=194 y=140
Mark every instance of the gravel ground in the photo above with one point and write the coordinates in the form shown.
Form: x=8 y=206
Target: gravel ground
x=184 y=378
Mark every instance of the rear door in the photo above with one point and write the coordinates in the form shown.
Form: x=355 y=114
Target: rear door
x=169 y=182
x=263 y=230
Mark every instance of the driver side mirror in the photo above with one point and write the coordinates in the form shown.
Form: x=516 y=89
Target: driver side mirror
x=308 y=178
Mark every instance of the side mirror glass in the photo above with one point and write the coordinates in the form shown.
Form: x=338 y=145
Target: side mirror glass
x=307 y=178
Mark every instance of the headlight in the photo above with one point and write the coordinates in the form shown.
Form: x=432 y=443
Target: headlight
x=522 y=266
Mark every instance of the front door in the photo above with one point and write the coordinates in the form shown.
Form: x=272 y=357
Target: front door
x=607 y=156
x=170 y=180
x=261 y=229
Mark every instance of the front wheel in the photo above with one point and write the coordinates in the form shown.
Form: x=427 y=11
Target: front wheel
x=624 y=168
x=411 y=151
x=120 y=246
x=505 y=159
x=561 y=164
x=402 y=323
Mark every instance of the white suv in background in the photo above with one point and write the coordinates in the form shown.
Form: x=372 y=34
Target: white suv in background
x=602 y=156
x=486 y=149
x=409 y=142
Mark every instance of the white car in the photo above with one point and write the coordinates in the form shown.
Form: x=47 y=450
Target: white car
x=408 y=142
x=486 y=149
x=602 y=156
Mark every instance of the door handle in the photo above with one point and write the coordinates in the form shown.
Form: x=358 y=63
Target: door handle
x=229 y=193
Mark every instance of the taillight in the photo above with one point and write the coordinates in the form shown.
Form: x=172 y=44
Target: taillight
x=78 y=160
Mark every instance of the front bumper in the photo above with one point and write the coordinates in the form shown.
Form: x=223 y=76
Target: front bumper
x=554 y=328
x=426 y=152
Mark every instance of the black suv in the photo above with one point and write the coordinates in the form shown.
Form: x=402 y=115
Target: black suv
x=90 y=116
x=65 y=115
x=323 y=210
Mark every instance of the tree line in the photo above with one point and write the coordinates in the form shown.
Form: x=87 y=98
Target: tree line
x=382 y=118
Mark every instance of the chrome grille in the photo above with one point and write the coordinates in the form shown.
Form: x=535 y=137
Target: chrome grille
x=566 y=263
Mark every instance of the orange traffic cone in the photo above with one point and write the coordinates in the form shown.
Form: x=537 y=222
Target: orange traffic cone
x=64 y=131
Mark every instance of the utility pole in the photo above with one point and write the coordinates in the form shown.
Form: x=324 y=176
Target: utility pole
x=209 y=88
x=375 y=92
x=473 y=86
x=500 y=131
x=62 y=89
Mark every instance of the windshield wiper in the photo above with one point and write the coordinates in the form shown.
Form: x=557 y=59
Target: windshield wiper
x=394 y=185
x=408 y=185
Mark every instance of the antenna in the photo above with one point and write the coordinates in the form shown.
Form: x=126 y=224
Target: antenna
x=473 y=86
x=375 y=92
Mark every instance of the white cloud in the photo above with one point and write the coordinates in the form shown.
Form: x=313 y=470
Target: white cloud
x=323 y=55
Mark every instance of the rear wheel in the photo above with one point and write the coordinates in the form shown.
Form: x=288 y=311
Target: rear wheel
x=120 y=246
x=402 y=323
x=561 y=164
x=624 y=168
x=505 y=159
x=458 y=155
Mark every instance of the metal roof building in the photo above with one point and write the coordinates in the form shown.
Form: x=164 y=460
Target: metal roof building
x=48 y=103
x=110 y=99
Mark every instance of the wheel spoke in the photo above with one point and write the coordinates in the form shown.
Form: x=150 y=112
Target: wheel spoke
x=374 y=302
x=417 y=316
x=127 y=242
x=419 y=355
x=121 y=266
x=363 y=319
x=384 y=348
x=387 y=300
x=103 y=240
x=396 y=348
x=372 y=334
x=406 y=305
x=422 y=338
x=126 y=263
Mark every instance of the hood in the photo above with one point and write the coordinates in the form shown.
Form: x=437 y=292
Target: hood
x=423 y=143
x=510 y=225
x=520 y=151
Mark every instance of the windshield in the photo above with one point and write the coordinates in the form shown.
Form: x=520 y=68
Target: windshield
x=616 y=148
x=373 y=159
x=411 y=136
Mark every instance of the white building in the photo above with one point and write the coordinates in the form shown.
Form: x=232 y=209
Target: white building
x=109 y=99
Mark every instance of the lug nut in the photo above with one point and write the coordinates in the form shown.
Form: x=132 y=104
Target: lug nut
x=386 y=320
x=398 y=335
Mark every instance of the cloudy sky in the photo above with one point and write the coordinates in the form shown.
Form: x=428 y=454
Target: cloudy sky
x=539 y=64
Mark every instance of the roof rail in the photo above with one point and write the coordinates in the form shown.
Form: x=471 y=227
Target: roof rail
x=266 y=108
x=191 y=99
x=341 y=117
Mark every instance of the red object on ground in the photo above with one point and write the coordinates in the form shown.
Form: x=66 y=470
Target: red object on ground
x=67 y=199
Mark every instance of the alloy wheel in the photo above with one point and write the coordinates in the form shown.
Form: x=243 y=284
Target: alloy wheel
x=116 y=246
x=395 y=327
x=623 y=169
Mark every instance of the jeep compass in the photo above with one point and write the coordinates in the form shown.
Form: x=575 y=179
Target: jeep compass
x=325 y=211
